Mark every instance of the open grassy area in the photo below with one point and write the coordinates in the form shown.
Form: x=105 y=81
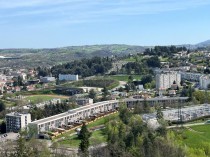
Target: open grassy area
x=196 y=135
x=102 y=121
x=124 y=77
x=8 y=103
x=41 y=98
x=97 y=137
x=97 y=122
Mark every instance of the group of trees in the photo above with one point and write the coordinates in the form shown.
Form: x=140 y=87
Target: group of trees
x=137 y=67
x=50 y=110
x=130 y=136
x=164 y=51
x=84 y=67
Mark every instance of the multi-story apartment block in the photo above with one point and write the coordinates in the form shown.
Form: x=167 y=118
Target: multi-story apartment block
x=165 y=79
x=81 y=113
x=17 y=121
x=204 y=81
x=190 y=76
x=68 y=77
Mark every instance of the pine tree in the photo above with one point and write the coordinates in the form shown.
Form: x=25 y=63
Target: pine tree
x=84 y=135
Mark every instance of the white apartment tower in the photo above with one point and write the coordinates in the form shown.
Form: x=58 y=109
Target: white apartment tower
x=204 y=81
x=17 y=121
x=164 y=80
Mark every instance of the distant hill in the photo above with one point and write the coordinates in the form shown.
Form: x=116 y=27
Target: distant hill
x=53 y=56
x=203 y=44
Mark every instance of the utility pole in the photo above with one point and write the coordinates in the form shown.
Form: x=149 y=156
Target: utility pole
x=180 y=120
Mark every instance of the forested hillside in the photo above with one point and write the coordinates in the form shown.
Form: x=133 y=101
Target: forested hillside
x=54 y=56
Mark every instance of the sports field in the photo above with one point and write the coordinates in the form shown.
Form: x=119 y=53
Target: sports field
x=41 y=98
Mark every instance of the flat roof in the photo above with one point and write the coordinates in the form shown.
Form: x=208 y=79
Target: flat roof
x=158 y=98
x=71 y=112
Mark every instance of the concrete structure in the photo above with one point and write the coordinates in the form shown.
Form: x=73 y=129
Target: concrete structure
x=72 y=116
x=84 y=101
x=17 y=121
x=47 y=79
x=167 y=101
x=190 y=76
x=165 y=79
x=204 y=81
x=68 y=77
x=81 y=113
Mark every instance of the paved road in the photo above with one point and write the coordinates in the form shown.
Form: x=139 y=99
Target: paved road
x=186 y=125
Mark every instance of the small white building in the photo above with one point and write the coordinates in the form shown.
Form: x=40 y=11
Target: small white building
x=68 y=77
x=84 y=101
x=204 y=81
x=47 y=79
x=17 y=121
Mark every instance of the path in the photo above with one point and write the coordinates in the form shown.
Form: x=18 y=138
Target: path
x=185 y=125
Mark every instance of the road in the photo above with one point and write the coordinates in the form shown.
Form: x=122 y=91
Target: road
x=186 y=125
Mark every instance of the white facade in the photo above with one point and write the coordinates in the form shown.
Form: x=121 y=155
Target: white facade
x=17 y=121
x=164 y=80
x=47 y=79
x=84 y=101
x=72 y=116
x=190 y=76
x=68 y=77
x=204 y=81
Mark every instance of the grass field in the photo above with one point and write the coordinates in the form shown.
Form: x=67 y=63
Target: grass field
x=41 y=98
x=97 y=137
x=8 y=103
x=124 y=77
x=196 y=135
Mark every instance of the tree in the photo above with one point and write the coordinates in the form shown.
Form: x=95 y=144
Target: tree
x=159 y=114
x=84 y=135
x=92 y=94
x=153 y=62
x=3 y=127
x=2 y=106
x=146 y=107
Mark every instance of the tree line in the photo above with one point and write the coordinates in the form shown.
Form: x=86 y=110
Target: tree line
x=164 y=51
x=50 y=110
x=84 y=67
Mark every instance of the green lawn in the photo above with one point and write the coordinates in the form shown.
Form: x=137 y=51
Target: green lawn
x=124 y=77
x=97 y=137
x=97 y=122
x=102 y=121
x=130 y=59
x=162 y=59
x=41 y=98
x=8 y=103
x=195 y=138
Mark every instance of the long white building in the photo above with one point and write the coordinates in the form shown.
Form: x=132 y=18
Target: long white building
x=204 y=81
x=68 y=77
x=72 y=116
x=81 y=113
x=164 y=80
x=190 y=76
x=17 y=121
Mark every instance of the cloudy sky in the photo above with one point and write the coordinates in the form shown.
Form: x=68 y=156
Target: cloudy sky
x=58 y=23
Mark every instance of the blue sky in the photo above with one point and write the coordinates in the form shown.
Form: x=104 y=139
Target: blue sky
x=58 y=23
